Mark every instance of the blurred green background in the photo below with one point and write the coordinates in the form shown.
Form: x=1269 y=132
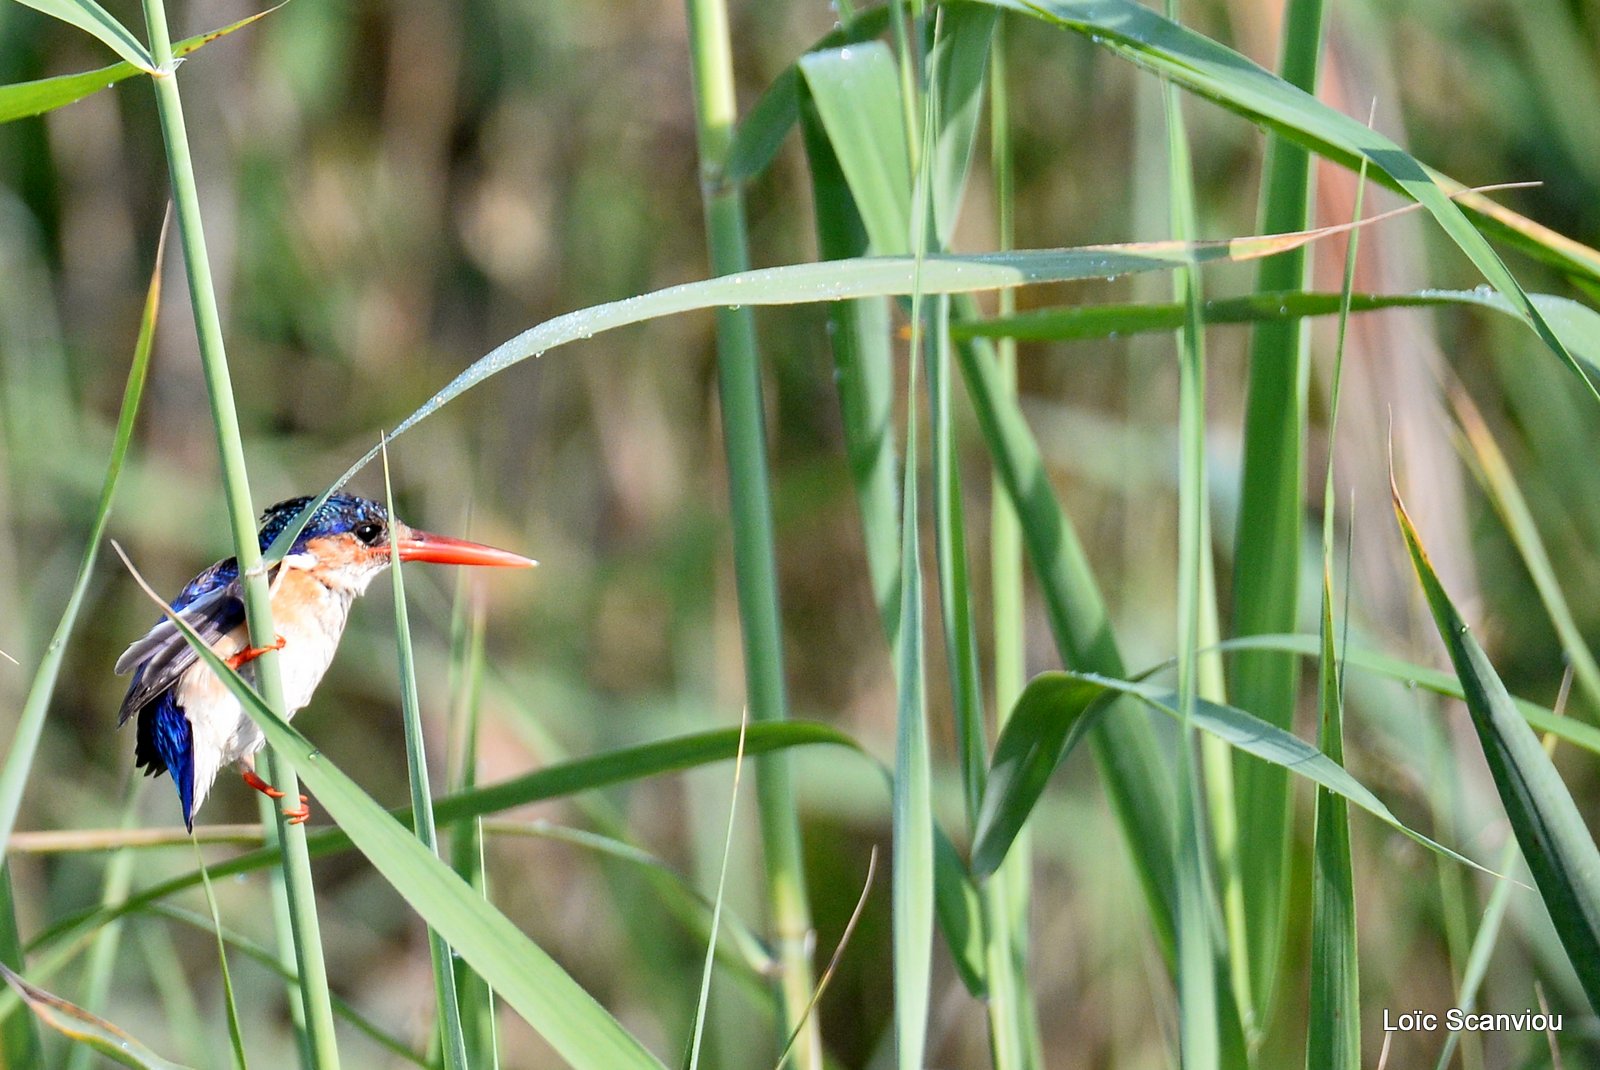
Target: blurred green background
x=393 y=189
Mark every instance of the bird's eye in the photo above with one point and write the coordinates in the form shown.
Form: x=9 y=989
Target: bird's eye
x=369 y=532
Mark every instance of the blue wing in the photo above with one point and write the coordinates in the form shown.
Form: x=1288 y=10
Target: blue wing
x=212 y=604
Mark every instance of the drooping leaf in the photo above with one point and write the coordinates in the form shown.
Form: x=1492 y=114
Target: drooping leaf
x=81 y=1027
x=1556 y=843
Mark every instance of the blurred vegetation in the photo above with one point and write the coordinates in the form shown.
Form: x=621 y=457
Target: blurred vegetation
x=393 y=189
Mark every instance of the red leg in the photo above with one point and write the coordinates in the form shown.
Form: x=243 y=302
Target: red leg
x=260 y=785
x=296 y=814
x=251 y=653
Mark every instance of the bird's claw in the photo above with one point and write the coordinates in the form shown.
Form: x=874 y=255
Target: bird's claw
x=251 y=653
x=297 y=815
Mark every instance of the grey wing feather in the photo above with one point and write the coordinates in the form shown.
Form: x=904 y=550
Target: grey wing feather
x=161 y=655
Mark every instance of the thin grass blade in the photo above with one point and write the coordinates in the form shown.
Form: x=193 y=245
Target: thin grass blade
x=1556 y=843
x=1333 y=1037
x=23 y=99
x=96 y=21
x=1061 y=707
x=30 y=723
x=229 y=1003
x=1266 y=594
x=451 y=1042
x=81 y=1027
x=835 y=280
x=1220 y=74
x=704 y=1002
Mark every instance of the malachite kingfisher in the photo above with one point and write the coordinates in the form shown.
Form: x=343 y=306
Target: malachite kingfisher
x=189 y=723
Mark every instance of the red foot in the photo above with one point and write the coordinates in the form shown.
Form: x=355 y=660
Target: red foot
x=296 y=814
x=251 y=653
x=261 y=785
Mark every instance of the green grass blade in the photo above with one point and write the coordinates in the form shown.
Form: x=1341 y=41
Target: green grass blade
x=1333 y=1039
x=81 y=1027
x=835 y=280
x=856 y=92
x=1058 y=709
x=467 y=855
x=864 y=376
x=557 y=781
x=30 y=723
x=738 y=944
x=1559 y=851
x=19 y=1034
x=19 y=1039
x=96 y=21
x=911 y=808
x=1218 y=73
x=294 y=898
x=102 y=962
x=1334 y=1030
x=1440 y=683
x=579 y=1029
x=1494 y=473
x=1577 y=324
x=1201 y=946
x=704 y=1000
x=959 y=62
x=767 y=124
x=1125 y=747
x=229 y=1003
x=1014 y=1038
x=451 y=1041
x=1266 y=594
x=23 y=99
x=911 y=860
x=265 y=958
x=739 y=395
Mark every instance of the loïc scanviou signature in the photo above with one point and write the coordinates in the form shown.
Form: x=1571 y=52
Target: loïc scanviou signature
x=1457 y=1019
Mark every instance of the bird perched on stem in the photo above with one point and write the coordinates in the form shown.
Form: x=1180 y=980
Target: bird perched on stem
x=190 y=724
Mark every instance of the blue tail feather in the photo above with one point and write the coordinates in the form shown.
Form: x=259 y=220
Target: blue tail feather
x=166 y=745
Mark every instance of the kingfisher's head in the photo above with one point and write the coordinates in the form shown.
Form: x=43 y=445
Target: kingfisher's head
x=349 y=540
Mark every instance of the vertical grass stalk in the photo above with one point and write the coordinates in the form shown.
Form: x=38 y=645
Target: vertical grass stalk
x=1267 y=551
x=302 y=910
x=1013 y=1020
x=755 y=568
x=1333 y=1035
x=1198 y=1004
x=451 y=1043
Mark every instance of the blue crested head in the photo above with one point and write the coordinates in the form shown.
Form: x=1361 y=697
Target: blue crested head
x=340 y=514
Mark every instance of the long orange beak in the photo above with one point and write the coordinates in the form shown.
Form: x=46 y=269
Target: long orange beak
x=443 y=550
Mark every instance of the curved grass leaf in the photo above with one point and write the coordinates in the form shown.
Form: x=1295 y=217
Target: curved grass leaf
x=1413 y=675
x=1220 y=74
x=264 y=957
x=836 y=280
x=568 y=778
x=1556 y=843
x=96 y=21
x=1577 y=324
x=22 y=99
x=30 y=723
x=79 y=1026
x=532 y=982
x=767 y=123
x=1037 y=739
